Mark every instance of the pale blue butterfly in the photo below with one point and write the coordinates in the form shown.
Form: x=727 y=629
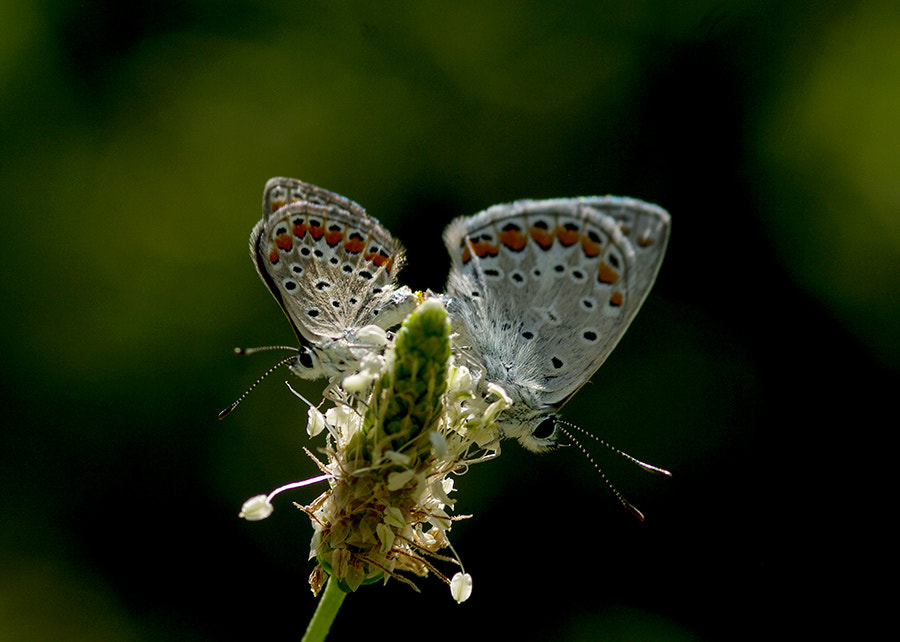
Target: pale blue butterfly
x=542 y=291
x=332 y=268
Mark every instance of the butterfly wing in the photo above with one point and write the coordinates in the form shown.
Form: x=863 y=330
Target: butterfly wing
x=544 y=290
x=331 y=267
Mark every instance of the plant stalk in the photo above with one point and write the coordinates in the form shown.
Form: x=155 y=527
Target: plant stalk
x=329 y=605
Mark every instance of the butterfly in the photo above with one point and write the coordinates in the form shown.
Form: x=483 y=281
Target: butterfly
x=333 y=270
x=542 y=291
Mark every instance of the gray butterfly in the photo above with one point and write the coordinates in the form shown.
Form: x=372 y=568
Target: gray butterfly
x=542 y=291
x=332 y=268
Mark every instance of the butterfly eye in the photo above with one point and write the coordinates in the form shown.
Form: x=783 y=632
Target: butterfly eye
x=305 y=359
x=545 y=429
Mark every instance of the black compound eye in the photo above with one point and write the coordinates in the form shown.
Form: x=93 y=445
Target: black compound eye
x=305 y=359
x=545 y=429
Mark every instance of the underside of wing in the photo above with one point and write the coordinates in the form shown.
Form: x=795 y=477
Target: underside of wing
x=330 y=269
x=553 y=285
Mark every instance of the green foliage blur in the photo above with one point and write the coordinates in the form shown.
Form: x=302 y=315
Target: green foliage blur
x=136 y=140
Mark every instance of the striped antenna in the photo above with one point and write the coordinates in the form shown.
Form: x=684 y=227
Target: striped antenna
x=649 y=468
x=248 y=351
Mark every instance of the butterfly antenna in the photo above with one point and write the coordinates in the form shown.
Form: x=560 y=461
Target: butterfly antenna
x=243 y=352
x=634 y=460
x=246 y=351
x=628 y=505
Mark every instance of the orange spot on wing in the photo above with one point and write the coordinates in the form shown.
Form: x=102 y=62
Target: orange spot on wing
x=273 y=256
x=333 y=237
x=377 y=255
x=513 y=238
x=284 y=242
x=381 y=259
x=606 y=274
x=568 y=234
x=542 y=236
x=299 y=229
x=466 y=254
x=590 y=247
x=483 y=248
x=316 y=229
x=616 y=299
x=355 y=244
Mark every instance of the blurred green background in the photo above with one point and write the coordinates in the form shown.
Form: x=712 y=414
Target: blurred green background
x=136 y=140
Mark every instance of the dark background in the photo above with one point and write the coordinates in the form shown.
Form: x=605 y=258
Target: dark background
x=763 y=369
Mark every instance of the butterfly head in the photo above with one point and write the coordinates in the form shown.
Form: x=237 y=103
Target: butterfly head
x=534 y=429
x=307 y=364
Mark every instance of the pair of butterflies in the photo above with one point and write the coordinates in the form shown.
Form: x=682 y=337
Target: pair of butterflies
x=540 y=292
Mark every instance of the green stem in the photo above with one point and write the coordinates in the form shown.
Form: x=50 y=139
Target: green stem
x=325 y=613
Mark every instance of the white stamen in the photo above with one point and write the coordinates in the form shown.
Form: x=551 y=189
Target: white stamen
x=256 y=509
x=259 y=507
x=461 y=587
